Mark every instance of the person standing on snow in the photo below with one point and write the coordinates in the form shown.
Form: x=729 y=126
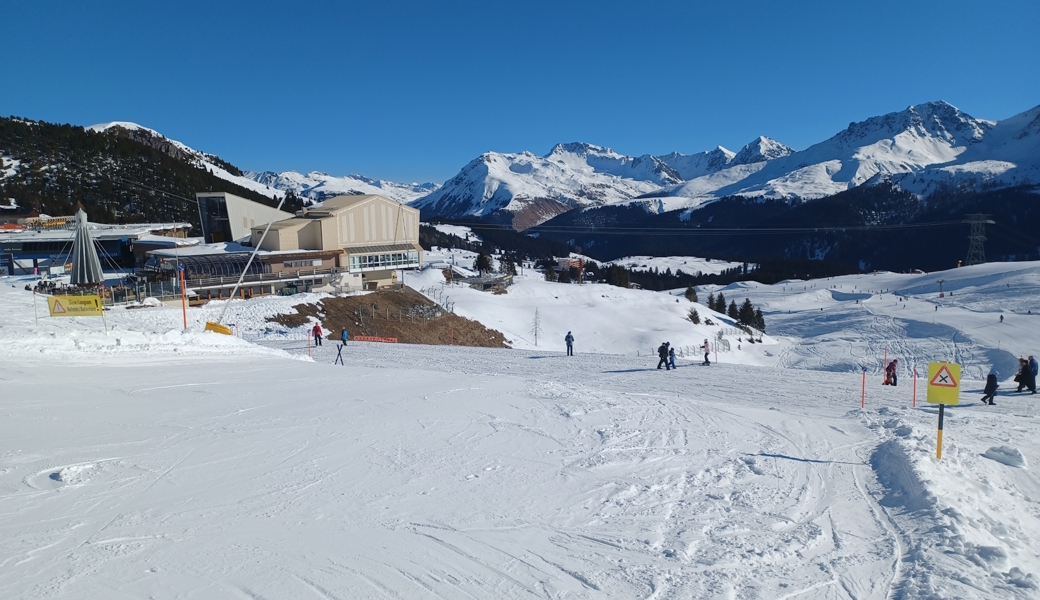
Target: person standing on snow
x=316 y=331
x=991 y=388
x=344 y=336
x=1028 y=375
x=662 y=353
x=570 y=344
x=671 y=356
x=892 y=372
x=707 y=351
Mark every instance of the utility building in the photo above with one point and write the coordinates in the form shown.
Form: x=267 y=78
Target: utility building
x=374 y=236
x=228 y=218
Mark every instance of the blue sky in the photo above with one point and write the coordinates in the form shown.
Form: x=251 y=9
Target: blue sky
x=412 y=91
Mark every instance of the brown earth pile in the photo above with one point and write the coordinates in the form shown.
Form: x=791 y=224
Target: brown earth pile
x=404 y=314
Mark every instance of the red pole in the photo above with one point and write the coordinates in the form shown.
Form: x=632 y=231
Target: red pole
x=915 y=388
x=863 y=396
x=308 y=343
x=184 y=299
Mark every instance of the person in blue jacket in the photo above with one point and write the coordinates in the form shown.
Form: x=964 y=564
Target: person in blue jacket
x=570 y=344
x=344 y=336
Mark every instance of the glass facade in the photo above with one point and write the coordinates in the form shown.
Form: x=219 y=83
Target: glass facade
x=383 y=261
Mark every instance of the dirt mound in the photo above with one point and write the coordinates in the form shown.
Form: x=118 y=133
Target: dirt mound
x=404 y=314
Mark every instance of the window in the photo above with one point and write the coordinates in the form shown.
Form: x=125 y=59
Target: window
x=389 y=260
x=299 y=264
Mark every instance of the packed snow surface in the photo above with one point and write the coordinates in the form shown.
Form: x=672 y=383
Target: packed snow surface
x=165 y=463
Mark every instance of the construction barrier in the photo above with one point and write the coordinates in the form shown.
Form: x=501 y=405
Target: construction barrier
x=373 y=338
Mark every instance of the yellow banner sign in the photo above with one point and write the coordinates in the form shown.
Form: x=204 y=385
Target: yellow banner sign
x=944 y=383
x=75 y=306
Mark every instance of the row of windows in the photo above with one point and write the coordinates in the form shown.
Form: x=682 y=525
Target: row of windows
x=384 y=261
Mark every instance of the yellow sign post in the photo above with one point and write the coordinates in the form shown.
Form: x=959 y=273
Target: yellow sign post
x=944 y=387
x=76 y=306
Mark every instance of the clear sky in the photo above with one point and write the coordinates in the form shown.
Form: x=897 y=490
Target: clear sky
x=412 y=91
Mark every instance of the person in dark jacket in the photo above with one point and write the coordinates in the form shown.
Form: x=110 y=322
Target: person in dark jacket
x=991 y=388
x=1026 y=376
x=662 y=353
x=570 y=344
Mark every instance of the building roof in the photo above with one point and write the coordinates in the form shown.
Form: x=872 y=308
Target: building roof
x=98 y=231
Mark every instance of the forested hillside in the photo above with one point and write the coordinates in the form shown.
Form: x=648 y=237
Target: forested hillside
x=116 y=179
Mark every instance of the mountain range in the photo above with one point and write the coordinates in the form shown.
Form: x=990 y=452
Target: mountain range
x=921 y=149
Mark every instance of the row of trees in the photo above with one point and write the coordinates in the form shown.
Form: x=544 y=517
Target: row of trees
x=747 y=314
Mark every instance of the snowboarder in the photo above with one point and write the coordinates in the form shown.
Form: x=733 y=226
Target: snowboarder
x=707 y=351
x=892 y=372
x=317 y=334
x=671 y=356
x=662 y=353
x=570 y=344
x=991 y=388
x=344 y=336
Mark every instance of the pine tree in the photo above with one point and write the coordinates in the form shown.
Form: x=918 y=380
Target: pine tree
x=732 y=311
x=711 y=300
x=550 y=273
x=760 y=321
x=746 y=314
x=483 y=263
x=720 y=304
x=691 y=294
x=564 y=277
x=694 y=316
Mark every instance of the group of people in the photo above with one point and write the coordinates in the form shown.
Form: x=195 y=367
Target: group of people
x=667 y=355
x=318 y=334
x=1025 y=378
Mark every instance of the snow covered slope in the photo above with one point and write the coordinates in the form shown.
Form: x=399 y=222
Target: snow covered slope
x=192 y=465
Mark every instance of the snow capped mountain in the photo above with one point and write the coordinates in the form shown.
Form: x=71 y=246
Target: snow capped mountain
x=760 y=150
x=314 y=186
x=917 y=148
x=525 y=189
x=319 y=186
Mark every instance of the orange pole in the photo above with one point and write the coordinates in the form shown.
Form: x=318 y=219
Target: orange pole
x=308 y=343
x=863 y=396
x=915 y=388
x=184 y=299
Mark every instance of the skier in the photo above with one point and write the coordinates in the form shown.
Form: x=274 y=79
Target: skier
x=671 y=356
x=892 y=372
x=662 y=353
x=1001 y=318
x=344 y=336
x=570 y=344
x=991 y=388
x=317 y=334
x=707 y=351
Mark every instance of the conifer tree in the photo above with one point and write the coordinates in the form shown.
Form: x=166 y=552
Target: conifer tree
x=732 y=311
x=760 y=321
x=695 y=318
x=711 y=300
x=746 y=314
x=720 y=304
x=691 y=294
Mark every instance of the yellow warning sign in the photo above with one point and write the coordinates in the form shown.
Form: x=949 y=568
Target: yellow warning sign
x=944 y=383
x=75 y=306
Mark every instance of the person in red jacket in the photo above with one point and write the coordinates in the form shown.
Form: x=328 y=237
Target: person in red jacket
x=892 y=372
x=317 y=334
